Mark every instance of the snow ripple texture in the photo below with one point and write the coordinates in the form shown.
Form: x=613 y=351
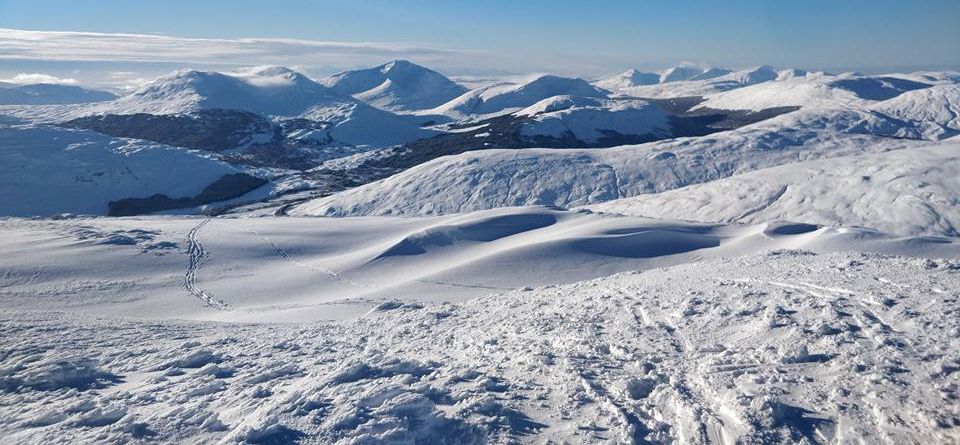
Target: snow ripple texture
x=782 y=347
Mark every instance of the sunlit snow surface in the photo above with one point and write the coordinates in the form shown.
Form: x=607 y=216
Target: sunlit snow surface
x=763 y=333
x=801 y=287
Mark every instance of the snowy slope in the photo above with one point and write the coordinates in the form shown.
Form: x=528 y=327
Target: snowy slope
x=679 y=73
x=272 y=91
x=780 y=346
x=912 y=192
x=936 y=108
x=822 y=90
x=809 y=91
x=50 y=170
x=46 y=94
x=591 y=119
x=397 y=86
x=493 y=178
x=308 y=269
x=689 y=81
x=627 y=79
x=506 y=98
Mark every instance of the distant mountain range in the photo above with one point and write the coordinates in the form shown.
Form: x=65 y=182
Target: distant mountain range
x=301 y=137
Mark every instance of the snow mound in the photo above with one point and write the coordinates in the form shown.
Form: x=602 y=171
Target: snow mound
x=50 y=170
x=910 y=192
x=397 y=86
x=508 y=98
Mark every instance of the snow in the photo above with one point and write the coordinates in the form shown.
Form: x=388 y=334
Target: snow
x=572 y=177
x=804 y=91
x=397 y=86
x=912 y=192
x=46 y=94
x=49 y=170
x=506 y=98
x=786 y=346
x=272 y=91
x=799 y=284
x=936 y=108
x=627 y=79
x=686 y=81
x=588 y=119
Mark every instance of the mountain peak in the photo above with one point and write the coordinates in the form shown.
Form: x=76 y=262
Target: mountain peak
x=398 y=85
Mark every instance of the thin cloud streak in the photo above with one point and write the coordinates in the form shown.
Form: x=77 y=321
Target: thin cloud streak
x=113 y=47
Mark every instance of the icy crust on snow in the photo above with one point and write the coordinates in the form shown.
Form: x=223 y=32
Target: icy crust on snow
x=50 y=170
x=783 y=347
x=496 y=178
x=912 y=192
x=591 y=119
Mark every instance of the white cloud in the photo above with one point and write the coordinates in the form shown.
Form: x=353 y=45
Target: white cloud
x=32 y=78
x=113 y=47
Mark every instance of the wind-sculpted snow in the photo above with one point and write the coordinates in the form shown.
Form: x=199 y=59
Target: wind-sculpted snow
x=495 y=178
x=781 y=347
x=913 y=192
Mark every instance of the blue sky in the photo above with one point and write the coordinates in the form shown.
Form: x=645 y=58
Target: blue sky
x=485 y=37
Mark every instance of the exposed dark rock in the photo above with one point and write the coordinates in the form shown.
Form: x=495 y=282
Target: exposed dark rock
x=227 y=187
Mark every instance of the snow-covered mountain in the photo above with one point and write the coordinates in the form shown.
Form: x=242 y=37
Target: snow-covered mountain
x=250 y=108
x=935 y=109
x=685 y=81
x=678 y=73
x=591 y=119
x=507 y=98
x=397 y=86
x=911 y=192
x=627 y=79
x=47 y=94
x=494 y=178
x=47 y=170
x=454 y=299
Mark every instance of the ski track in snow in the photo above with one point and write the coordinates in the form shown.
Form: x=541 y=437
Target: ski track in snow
x=197 y=254
x=285 y=255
